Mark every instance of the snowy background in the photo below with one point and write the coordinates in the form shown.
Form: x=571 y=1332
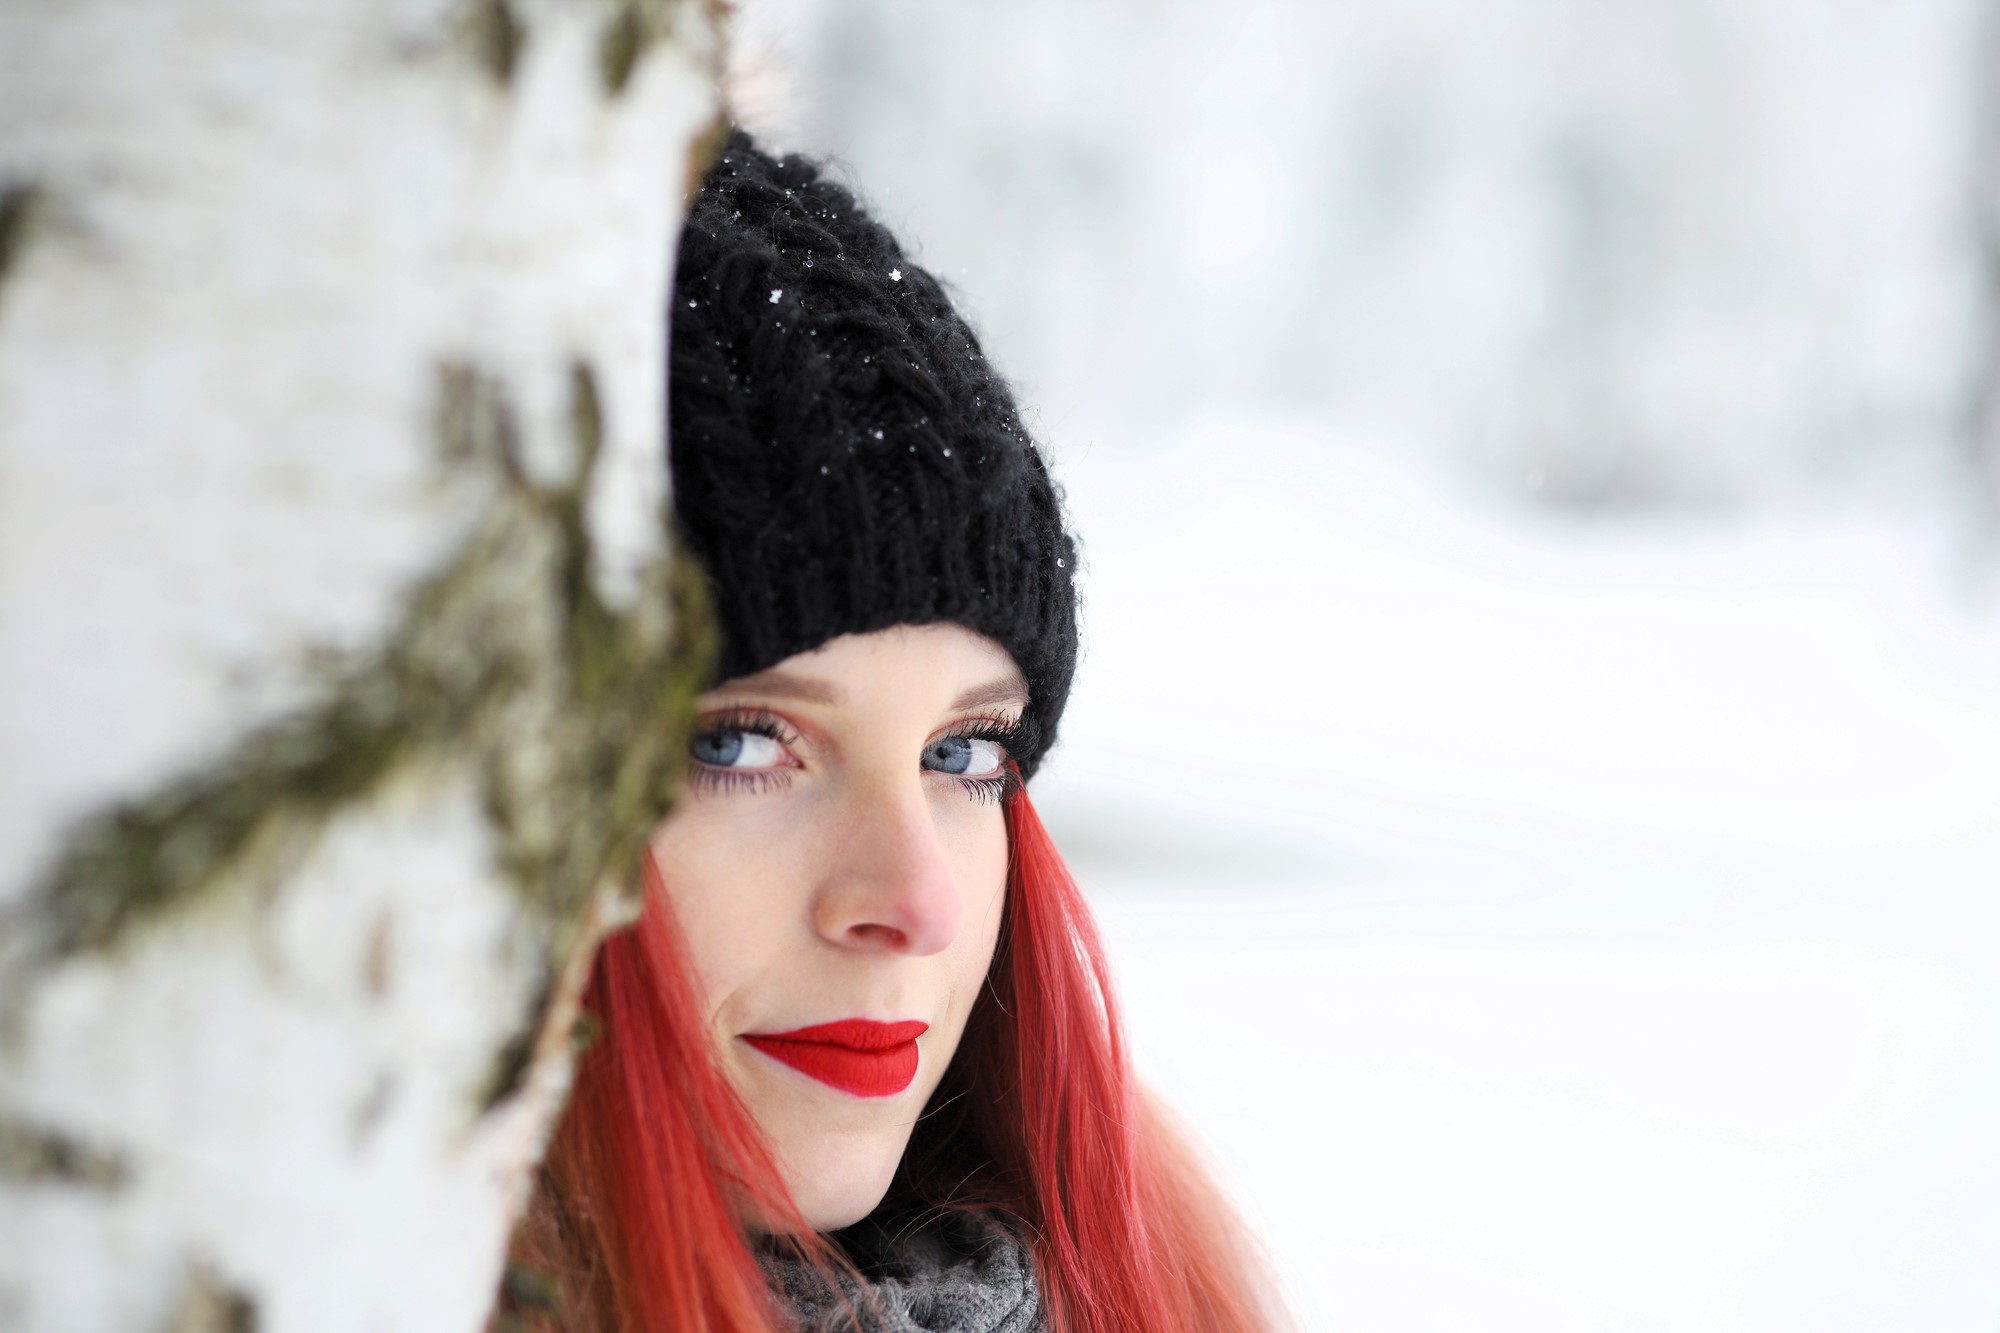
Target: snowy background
x=1537 y=757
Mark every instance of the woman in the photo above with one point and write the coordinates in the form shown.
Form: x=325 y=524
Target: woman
x=859 y=1063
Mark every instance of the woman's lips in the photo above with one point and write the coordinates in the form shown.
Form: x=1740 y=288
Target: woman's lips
x=856 y=1055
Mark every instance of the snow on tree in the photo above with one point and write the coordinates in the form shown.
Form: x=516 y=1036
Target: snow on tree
x=342 y=656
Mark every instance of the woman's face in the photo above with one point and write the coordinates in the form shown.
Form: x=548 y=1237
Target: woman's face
x=837 y=864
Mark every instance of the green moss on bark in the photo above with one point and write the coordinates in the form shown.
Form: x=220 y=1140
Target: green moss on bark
x=17 y=205
x=635 y=26
x=495 y=36
x=210 y=1305
x=31 y=1154
x=707 y=147
x=505 y=664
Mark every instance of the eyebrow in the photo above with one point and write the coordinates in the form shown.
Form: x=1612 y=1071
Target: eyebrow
x=1009 y=689
x=777 y=684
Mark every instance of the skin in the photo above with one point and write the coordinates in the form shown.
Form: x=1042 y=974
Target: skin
x=831 y=874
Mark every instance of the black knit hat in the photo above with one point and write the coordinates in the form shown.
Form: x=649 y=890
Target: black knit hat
x=844 y=459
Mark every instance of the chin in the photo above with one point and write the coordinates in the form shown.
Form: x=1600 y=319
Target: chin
x=835 y=1195
x=837 y=1183
x=837 y=1155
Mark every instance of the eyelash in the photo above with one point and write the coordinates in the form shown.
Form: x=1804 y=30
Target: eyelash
x=751 y=722
x=1011 y=736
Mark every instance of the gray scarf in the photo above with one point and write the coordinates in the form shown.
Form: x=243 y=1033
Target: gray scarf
x=939 y=1272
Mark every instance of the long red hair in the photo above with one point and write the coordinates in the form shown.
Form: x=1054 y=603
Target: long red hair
x=1039 y=1117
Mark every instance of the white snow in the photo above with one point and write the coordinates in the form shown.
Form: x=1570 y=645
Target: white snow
x=1550 y=925
x=1680 y=248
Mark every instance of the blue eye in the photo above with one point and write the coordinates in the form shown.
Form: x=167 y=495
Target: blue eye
x=734 y=747
x=964 y=756
x=719 y=748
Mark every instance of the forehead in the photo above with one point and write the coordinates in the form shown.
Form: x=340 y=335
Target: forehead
x=941 y=665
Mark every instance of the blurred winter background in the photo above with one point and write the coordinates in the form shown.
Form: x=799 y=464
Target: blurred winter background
x=1538 y=752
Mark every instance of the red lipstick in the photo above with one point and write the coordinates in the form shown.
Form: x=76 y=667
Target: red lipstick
x=856 y=1055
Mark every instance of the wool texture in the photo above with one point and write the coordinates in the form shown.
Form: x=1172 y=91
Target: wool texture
x=844 y=458
x=950 y=1272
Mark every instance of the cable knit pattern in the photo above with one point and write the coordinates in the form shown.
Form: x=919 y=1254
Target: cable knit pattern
x=844 y=458
x=957 y=1272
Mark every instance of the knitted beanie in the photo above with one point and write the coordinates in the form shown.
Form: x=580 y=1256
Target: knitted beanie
x=844 y=458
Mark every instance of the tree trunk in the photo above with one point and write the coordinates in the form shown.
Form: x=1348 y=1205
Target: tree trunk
x=1981 y=473
x=342 y=659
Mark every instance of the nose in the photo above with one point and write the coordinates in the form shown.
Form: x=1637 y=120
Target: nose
x=889 y=886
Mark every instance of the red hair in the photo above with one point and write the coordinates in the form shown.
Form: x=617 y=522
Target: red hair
x=1040 y=1117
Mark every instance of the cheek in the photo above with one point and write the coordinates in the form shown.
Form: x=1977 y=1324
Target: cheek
x=981 y=870
x=724 y=885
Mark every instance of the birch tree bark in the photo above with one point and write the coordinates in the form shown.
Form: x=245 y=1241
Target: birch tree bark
x=1981 y=439
x=342 y=658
